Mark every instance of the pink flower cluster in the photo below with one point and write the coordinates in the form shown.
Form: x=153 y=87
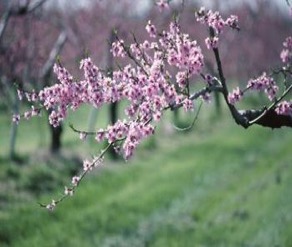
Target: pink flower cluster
x=215 y=20
x=217 y=23
x=212 y=42
x=151 y=29
x=145 y=84
x=162 y=4
x=235 y=96
x=31 y=97
x=118 y=49
x=182 y=52
x=286 y=54
x=284 y=108
x=212 y=19
x=264 y=83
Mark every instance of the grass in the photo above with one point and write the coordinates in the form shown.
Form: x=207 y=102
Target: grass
x=218 y=185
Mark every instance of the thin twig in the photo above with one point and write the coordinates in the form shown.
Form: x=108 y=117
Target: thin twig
x=82 y=131
x=81 y=177
x=193 y=122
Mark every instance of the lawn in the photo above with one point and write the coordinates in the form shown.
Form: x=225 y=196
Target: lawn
x=218 y=185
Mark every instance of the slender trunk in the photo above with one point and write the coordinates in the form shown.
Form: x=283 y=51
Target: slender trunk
x=56 y=134
x=113 y=109
x=45 y=74
x=14 y=128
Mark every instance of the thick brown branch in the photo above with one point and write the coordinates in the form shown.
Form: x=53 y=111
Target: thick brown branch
x=270 y=119
x=239 y=119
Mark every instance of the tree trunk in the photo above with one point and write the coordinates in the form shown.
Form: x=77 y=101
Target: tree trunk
x=14 y=128
x=56 y=134
x=113 y=108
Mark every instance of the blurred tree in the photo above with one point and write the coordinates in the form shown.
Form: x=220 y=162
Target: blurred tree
x=23 y=48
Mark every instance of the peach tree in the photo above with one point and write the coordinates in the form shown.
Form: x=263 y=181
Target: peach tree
x=159 y=77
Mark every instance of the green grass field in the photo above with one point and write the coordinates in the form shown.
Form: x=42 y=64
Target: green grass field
x=218 y=185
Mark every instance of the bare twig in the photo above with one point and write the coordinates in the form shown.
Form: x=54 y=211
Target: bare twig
x=82 y=131
x=193 y=122
x=81 y=177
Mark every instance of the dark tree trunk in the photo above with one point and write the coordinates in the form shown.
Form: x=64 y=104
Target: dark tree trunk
x=45 y=75
x=56 y=134
x=113 y=109
x=113 y=112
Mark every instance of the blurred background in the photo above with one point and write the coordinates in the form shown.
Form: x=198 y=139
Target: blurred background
x=214 y=185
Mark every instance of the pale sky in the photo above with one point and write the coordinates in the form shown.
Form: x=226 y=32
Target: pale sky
x=143 y=5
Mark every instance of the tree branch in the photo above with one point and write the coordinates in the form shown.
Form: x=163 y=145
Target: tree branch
x=239 y=118
x=10 y=11
x=45 y=71
x=270 y=118
x=4 y=21
x=28 y=8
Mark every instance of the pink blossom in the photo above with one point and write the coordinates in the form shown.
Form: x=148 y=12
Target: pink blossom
x=27 y=115
x=16 y=118
x=212 y=42
x=20 y=94
x=212 y=19
x=232 y=22
x=82 y=135
x=63 y=75
x=87 y=165
x=162 y=4
x=51 y=206
x=285 y=55
x=235 y=96
x=151 y=29
x=284 y=108
x=100 y=135
x=75 y=180
x=188 y=105
x=181 y=79
x=118 y=49
x=264 y=83
x=288 y=42
x=68 y=191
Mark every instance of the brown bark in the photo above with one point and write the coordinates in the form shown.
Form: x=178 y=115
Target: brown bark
x=270 y=119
